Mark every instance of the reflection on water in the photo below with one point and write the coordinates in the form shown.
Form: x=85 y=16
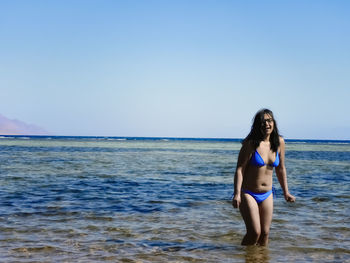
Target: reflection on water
x=100 y=200
x=254 y=254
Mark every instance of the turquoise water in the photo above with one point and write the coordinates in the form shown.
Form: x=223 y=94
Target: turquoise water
x=75 y=199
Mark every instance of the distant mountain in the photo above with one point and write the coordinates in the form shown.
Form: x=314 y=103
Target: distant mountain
x=16 y=127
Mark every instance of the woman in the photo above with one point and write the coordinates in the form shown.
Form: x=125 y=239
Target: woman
x=262 y=150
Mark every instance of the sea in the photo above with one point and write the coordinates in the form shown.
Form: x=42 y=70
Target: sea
x=122 y=199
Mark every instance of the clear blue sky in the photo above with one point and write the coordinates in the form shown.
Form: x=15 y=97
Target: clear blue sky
x=178 y=68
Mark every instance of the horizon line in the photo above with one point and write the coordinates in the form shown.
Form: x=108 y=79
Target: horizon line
x=158 y=137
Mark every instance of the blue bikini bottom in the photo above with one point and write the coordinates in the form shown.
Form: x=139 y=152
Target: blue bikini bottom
x=259 y=197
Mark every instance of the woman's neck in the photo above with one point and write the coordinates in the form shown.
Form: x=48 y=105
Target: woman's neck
x=266 y=138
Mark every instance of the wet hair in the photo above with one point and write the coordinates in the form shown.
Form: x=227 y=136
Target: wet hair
x=256 y=135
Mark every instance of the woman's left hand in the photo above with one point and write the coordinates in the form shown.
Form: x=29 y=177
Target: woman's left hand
x=289 y=197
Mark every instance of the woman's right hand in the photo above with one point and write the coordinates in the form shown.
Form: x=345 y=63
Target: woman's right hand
x=236 y=201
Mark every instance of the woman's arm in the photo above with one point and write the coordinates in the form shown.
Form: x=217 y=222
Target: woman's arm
x=282 y=173
x=243 y=158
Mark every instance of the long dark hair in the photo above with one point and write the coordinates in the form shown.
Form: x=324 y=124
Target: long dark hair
x=256 y=136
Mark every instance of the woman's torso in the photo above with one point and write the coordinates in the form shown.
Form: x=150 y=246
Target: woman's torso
x=257 y=175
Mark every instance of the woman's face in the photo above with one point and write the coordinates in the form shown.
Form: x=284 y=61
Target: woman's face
x=267 y=125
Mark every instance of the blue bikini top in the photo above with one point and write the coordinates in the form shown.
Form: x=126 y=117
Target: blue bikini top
x=257 y=160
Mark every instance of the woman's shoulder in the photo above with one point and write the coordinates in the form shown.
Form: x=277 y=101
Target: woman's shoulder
x=281 y=147
x=281 y=140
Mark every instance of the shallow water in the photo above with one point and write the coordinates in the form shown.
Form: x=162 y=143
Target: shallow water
x=108 y=200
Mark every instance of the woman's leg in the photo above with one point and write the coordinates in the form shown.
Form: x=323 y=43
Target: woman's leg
x=250 y=213
x=265 y=211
